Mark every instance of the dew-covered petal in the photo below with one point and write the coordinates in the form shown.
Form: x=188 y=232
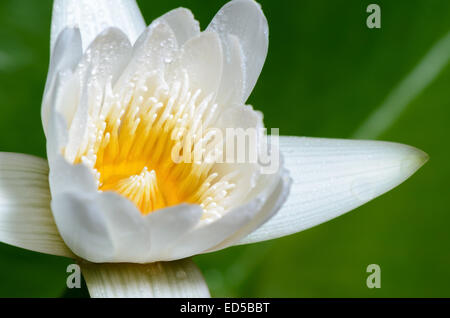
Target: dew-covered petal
x=245 y=20
x=63 y=61
x=93 y=17
x=99 y=68
x=334 y=176
x=183 y=24
x=201 y=59
x=231 y=90
x=154 y=50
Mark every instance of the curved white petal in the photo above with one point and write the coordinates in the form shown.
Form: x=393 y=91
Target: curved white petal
x=231 y=89
x=183 y=24
x=107 y=227
x=177 y=279
x=208 y=235
x=245 y=20
x=201 y=58
x=275 y=197
x=92 y=17
x=152 y=51
x=25 y=217
x=100 y=66
x=63 y=61
x=75 y=83
x=333 y=176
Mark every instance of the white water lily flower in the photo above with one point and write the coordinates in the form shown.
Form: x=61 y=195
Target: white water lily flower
x=116 y=93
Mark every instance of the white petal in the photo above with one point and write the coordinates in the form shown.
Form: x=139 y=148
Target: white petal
x=183 y=24
x=231 y=89
x=107 y=227
x=332 y=177
x=245 y=20
x=273 y=202
x=99 y=67
x=65 y=57
x=156 y=46
x=92 y=17
x=25 y=217
x=266 y=198
x=201 y=57
x=177 y=279
x=73 y=93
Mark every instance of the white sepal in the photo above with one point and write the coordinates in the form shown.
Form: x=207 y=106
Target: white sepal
x=176 y=279
x=334 y=176
x=26 y=220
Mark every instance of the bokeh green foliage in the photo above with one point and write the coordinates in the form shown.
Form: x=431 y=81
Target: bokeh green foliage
x=325 y=74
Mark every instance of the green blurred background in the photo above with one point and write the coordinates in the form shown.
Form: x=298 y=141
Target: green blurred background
x=326 y=72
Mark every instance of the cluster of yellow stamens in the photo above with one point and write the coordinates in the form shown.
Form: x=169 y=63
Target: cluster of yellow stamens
x=131 y=138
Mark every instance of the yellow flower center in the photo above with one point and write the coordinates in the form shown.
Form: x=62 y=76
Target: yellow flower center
x=131 y=139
